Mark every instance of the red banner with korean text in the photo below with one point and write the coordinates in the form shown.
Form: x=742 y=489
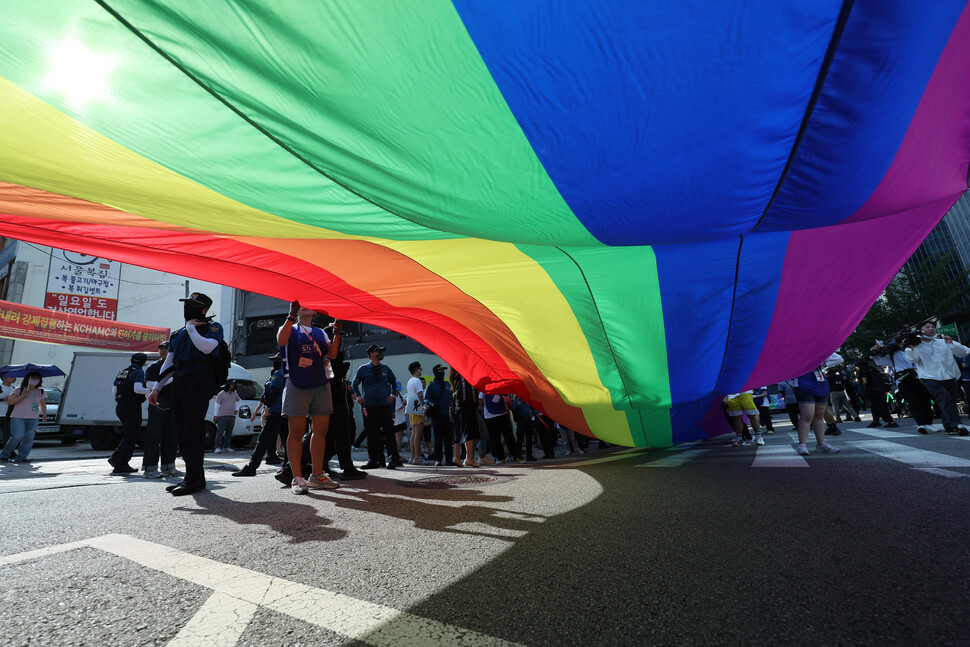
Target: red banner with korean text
x=38 y=324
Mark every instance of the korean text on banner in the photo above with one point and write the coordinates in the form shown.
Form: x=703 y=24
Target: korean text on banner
x=38 y=324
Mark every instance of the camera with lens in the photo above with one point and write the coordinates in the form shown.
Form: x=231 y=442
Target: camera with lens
x=912 y=338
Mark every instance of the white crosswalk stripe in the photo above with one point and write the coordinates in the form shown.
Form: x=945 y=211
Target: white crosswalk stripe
x=920 y=458
x=677 y=457
x=778 y=456
x=882 y=433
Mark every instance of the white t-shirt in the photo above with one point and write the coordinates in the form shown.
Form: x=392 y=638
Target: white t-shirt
x=493 y=406
x=399 y=416
x=414 y=389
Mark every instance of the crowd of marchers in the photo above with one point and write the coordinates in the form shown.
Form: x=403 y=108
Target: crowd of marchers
x=918 y=374
x=307 y=410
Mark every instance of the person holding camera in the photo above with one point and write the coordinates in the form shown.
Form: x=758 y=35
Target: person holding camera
x=911 y=390
x=877 y=385
x=937 y=369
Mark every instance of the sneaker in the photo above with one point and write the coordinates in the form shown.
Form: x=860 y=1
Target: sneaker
x=153 y=474
x=923 y=430
x=218 y=450
x=891 y=425
x=832 y=430
x=299 y=486
x=874 y=423
x=470 y=462
x=121 y=469
x=769 y=431
x=168 y=472
x=247 y=470
x=580 y=451
x=509 y=460
x=802 y=450
x=825 y=448
x=952 y=431
x=737 y=442
x=962 y=431
x=27 y=460
x=322 y=481
x=520 y=460
x=759 y=440
x=485 y=460
x=857 y=419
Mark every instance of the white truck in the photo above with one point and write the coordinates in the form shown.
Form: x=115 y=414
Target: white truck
x=87 y=408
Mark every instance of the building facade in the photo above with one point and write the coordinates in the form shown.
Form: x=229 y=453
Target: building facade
x=132 y=294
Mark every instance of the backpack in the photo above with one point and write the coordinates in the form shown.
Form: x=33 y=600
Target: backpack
x=219 y=361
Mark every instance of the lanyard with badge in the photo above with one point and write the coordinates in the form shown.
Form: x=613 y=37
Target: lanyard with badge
x=819 y=375
x=307 y=362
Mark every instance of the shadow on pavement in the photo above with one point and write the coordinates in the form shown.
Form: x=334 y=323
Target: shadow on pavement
x=298 y=521
x=730 y=556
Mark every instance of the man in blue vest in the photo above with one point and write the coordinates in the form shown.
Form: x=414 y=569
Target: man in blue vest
x=374 y=386
x=187 y=368
x=129 y=391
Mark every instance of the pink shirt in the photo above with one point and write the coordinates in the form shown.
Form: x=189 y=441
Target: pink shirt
x=29 y=407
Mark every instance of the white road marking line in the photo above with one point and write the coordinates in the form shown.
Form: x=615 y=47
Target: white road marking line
x=676 y=460
x=41 y=552
x=910 y=455
x=219 y=623
x=882 y=433
x=605 y=459
x=367 y=622
x=778 y=456
x=950 y=474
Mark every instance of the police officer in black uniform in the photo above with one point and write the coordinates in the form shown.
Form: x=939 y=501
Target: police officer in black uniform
x=129 y=391
x=160 y=441
x=187 y=368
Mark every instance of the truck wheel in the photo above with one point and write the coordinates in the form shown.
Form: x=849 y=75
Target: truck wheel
x=210 y=434
x=103 y=438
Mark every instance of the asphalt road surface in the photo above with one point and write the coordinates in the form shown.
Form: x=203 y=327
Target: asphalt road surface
x=701 y=544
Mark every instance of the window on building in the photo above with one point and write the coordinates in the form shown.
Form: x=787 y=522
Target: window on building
x=261 y=334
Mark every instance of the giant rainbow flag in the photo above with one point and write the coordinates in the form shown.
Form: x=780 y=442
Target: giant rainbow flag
x=618 y=209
